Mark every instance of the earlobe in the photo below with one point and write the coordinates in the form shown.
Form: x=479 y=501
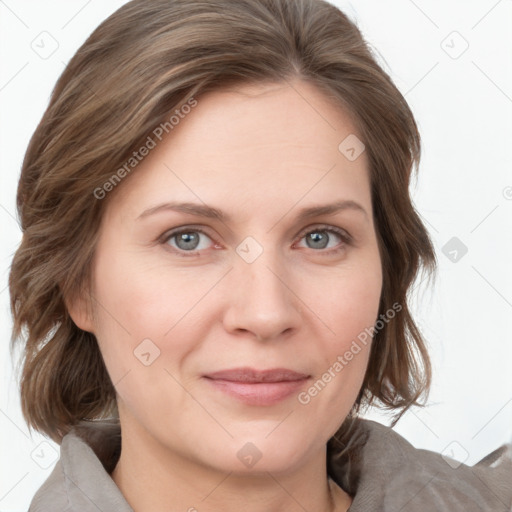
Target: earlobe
x=80 y=312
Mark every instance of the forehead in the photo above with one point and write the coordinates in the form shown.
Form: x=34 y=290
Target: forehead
x=294 y=113
x=251 y=145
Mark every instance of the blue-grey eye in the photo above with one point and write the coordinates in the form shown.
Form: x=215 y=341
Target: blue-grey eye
x=319 y=239
x=187 y=240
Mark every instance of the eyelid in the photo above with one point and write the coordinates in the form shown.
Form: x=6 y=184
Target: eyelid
x=171 y=233
x=342 y=233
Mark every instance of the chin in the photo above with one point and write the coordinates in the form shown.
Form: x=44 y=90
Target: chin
x=253 y=454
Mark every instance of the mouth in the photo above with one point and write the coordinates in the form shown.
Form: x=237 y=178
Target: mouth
x=257 y=387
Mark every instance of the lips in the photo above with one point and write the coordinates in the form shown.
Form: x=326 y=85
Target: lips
x=257 y=387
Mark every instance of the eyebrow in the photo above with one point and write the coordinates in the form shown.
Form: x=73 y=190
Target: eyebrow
x=203 y=210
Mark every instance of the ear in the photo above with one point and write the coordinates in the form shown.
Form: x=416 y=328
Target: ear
x=80 y=311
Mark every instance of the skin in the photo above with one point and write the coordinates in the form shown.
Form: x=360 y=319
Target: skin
x=260 y=153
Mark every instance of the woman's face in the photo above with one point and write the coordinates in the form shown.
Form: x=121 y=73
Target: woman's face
x=186 y=324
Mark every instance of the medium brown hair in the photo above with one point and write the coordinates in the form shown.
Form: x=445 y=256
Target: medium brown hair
x=145 y=61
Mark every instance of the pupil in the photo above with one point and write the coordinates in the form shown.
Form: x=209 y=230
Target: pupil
x=189 y=240
x=319 y=237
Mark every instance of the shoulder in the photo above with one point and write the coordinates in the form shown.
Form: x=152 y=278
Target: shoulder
x=52 y=494
x=80 y=480
x=394 y=475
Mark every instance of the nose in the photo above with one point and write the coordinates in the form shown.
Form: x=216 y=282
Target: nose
x=261 y=299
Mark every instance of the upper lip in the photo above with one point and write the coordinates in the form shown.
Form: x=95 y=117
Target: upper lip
x=253 y=375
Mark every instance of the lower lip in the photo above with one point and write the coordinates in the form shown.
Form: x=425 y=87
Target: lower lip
x=258 y=393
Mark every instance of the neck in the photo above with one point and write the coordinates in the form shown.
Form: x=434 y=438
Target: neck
x=154 y=479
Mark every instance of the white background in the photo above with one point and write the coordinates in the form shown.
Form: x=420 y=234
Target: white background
x=463 y=105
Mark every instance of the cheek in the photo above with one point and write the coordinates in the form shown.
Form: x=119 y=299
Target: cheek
x=349 y=308
x=350 y=304
x=132 y=314
x=149 y=319
x=142 y=299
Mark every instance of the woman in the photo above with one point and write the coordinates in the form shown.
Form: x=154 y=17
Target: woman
x=218 y=241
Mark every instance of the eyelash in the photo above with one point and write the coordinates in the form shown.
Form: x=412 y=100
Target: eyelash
x=345 y=237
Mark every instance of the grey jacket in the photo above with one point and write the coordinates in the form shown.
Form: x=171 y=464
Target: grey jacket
x=388 y=474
